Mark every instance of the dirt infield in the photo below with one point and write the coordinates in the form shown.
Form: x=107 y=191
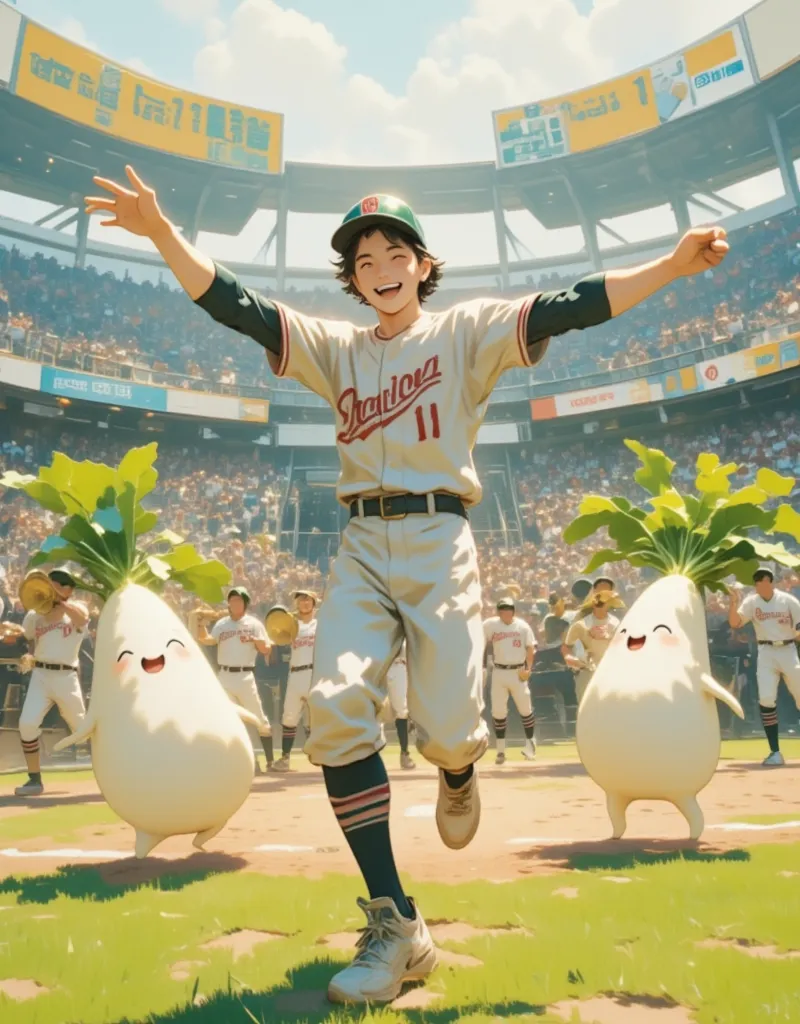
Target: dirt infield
x=538 y=818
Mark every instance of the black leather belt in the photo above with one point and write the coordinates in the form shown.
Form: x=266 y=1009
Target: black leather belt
x=300 y=668
x=398 y=506
x=521 y=665
x=775 y=643
x=55 y=668
x=237 y=668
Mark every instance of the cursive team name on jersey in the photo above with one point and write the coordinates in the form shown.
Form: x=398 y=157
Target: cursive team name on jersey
x=64 y=628
x=362 y=416
x=513 y=635
x=303 y=641
x=784 y=618
x=230 y=633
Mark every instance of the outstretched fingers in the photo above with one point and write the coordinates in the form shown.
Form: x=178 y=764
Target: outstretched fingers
x=112 y=186
x=135 y=180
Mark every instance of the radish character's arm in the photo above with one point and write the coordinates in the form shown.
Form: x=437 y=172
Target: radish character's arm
x=81 y=734
x=247 y=717
x=713 y=688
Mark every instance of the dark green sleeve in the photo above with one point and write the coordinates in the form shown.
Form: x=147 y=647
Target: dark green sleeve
x=584 y=305
x=230 y=303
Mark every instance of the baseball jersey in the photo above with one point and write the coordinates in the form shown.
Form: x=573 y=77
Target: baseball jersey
x=303 y=645
x=580 y=632
x=233 y=648
x=57 y=643
x=408 y=410
x=774 y=619
x=509 y=642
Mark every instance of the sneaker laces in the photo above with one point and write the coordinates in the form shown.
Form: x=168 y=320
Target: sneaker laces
x=375 y=937
x=459 y=800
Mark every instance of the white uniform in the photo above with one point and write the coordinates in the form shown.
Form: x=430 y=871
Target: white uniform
x=55 y=644
x=397 y=685
x=298 y=685
x=774 y=621
x=509 y=653
x=407 y=414
x=590 y=638
x=236 y=657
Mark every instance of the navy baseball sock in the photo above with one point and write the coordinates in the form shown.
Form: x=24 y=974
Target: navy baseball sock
x=769 y=719
x=455 y=780
x=401 y=724
x=528 y=725
x=359 y=795
x=287 y=739
x=269 y=749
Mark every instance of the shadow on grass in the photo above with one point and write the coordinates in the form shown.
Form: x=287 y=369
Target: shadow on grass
x=303 y=998
x=110 y=882
x=617 y=855
x=53 y=799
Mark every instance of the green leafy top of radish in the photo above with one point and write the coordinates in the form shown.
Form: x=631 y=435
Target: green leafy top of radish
x=704 y=536
x=105 y=523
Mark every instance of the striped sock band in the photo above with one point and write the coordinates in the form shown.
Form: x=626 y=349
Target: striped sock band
x=288 y=734
x=500 y=727
x=769 y=719
x=30 y=746
x=369 y=807
x=528 y=723
x=769 y=716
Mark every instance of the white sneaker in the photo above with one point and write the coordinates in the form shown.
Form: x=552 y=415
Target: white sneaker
x=529 y=751
x=501 y=758
x=407 y=762
x=391 y=951
x=458 y=812
x=775 y=760
x=281 y=765
x=29 y=788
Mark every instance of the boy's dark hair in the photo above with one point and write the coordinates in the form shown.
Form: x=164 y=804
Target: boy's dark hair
x=346 y=263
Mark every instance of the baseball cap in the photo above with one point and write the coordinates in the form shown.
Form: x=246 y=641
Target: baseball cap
x=603 y=579
x=62 y=578
x=305 y=593
x=239 y=592
x=581 y=588
x=505 y=602
x=761 y=572
x=372 y=212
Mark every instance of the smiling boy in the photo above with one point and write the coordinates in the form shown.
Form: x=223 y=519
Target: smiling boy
x=409 y=396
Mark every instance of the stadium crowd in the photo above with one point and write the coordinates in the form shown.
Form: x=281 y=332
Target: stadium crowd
x=83 y=320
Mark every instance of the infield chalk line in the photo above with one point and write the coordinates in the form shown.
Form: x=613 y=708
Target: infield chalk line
x=283 y=848
x=64 y=853
x=748 y=826
x=420 y=811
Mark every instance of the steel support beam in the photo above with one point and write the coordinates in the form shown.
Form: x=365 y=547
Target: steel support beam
x=502 y=231
x=281 y=226
x=82 y=235
x=788 y=175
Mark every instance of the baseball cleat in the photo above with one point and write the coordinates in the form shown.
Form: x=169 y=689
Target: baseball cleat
x=406 y=761
x=529 y=751
x=281 y=765
x=774 y=760
x=29 y=788
x=458 y=812
x=501 y=758
x=390 y=952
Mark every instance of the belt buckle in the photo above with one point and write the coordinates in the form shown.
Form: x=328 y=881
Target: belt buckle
x=387 y=515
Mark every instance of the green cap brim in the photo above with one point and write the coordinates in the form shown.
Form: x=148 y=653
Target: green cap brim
x=346 y=232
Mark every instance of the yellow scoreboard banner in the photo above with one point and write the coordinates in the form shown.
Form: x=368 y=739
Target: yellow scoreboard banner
x=702 y=74
x=78 y=84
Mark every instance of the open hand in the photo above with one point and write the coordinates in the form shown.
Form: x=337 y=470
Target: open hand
x=699 y=250
x=135 y=209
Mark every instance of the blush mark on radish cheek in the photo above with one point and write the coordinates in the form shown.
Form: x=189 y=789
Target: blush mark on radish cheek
x=668 y=639
x=120 y=666
x=618 y=639
x=181 y=652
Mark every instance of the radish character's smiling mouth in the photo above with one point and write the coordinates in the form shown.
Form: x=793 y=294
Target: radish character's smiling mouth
x=636 y=643
x=153 y=664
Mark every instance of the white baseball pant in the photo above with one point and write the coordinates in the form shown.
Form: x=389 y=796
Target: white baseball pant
x=46 y=688
x=415 y=578
x=298 y=687
x=397 y=688
x=772 y=663
x=506 y=683
x=242 y=690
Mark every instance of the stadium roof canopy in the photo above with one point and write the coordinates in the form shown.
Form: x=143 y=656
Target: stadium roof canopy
x=46 y=157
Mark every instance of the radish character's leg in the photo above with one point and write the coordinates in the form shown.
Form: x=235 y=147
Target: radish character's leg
x=617 y=806
x=203 y=837
x=690 y=809
x=145 y=843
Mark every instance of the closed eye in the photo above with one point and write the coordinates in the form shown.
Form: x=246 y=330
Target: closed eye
x=662 y=626
x=122 y=655
x=175 y=642
x=623 y=631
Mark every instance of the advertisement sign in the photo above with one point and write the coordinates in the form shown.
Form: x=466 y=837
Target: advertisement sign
x=10 y=21
x=774 y=30
x=81 y=86
x=20 y=373
x=217 y=407
x=88 y=388
x=618 y=109
x=578 y=403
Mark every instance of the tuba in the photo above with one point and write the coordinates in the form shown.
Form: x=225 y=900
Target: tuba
x=37 y=593
x=282 y=626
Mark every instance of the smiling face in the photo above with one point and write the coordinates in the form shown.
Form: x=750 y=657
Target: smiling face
x=507 y=615
x=152 y=665
x=304 y=605
x=236 y=606
x=387 y=272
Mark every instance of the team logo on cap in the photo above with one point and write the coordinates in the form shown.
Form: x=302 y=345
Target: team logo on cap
x=370 y=204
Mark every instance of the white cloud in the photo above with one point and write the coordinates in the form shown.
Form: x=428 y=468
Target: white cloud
x=137 y=64
x=191 y=10
x=74 y=30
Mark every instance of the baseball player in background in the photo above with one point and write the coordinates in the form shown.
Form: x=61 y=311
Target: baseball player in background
x=589 y=635
x=397 y=688
x=409 y=395
x=298 y=685
x=776 y=620
x=239 y=638
x=513 y=647
x=55 y=640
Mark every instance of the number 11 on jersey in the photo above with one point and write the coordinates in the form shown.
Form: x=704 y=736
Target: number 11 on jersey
x=433 y=417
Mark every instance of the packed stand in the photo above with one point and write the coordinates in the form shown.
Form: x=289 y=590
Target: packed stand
x=83 y=320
